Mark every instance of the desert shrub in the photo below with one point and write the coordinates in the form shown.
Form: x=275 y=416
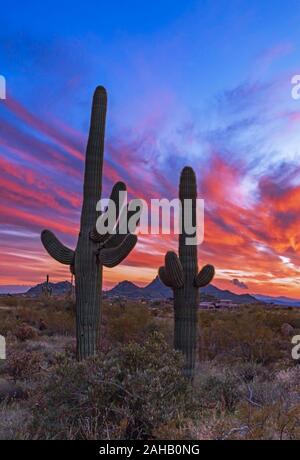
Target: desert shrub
x=10 y=301
x=56 y=319
x=25 y=332
x=265 y=392
x=166 y=328
x=134 y=322
x=277 y=421
x=70 y=350
x=61 y=322
x=123 y=395
x=156 y=303
x=13 y=421
x=219 y=391
x=70 y=305
x=215 y=425
x=173 y=430
x=244 y=336
x=23 y=365
x=63 y=303
x=271 y=422
x=248 y=371
x=290 y=378
x=8 y=322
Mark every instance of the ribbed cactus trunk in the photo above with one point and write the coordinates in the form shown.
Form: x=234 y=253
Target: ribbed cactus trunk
x=181 y=274
x=88 y=279
x=186 y=298
x=92 y=250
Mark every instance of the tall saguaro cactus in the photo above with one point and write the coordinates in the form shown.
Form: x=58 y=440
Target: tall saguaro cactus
x=181 y=274
x=92 y=250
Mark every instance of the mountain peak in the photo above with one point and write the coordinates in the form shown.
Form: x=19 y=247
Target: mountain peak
x=60 y=288
x=126 y=283
x=156 y=290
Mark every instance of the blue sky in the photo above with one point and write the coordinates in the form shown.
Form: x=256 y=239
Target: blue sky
x=194 y=49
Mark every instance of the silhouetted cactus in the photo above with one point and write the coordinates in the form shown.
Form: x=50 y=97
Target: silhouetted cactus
x=181 y=274
x=46 y=289
x=92 y=250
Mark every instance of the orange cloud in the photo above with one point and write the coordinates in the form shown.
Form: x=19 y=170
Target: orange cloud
x=251 y=233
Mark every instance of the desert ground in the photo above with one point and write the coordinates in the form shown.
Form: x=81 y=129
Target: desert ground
x=247 y=386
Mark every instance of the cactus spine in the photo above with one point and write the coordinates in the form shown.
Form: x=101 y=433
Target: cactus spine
x=181 y=274
x=92 y=250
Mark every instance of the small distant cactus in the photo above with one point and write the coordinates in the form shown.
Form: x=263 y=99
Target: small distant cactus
x=181 y=274
x=47 y=289
x=93 y=251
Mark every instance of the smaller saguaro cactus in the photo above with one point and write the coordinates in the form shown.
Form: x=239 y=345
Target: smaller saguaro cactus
x=181 y=274
x=47 y=289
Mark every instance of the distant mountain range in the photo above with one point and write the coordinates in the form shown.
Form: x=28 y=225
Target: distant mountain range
x=281 y=300
x=13 y=289
x=153 y=291
x=156 y=290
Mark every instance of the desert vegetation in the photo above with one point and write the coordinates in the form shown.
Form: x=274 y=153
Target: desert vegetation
x=246 y=385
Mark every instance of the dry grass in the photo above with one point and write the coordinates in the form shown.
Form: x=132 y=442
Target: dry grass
x=14 y=421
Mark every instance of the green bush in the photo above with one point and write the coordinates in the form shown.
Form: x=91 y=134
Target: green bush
x=220 y=391
x=123 y=395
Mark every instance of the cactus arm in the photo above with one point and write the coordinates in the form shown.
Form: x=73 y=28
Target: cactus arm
x=125 y=216
x=96 y=237
x=174 y=269
x=56 y=249
x=114 y=196
x=205 y=276
x=111 y=257
x=116 y=239
x=164 y=277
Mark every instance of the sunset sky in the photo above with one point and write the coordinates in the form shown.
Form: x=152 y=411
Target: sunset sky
x=199 y=83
